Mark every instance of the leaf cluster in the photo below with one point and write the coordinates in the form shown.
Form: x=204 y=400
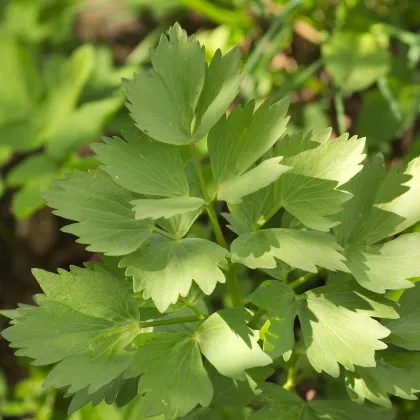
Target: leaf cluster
x=137 y=323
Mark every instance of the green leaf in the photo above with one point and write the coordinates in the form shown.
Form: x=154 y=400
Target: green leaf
x=396 y=206
x=27 y=200
x=182 y=98
x=331 y=318
x=387 y=266
x=221 y=85
x=16 y=98
x=120 y=390
x=237 y=142
x=166 y=207
x=259 y=177
x=97 y=371
x=229 y=344
x=310 y=190
x=363 y=187
x=230 y=392
x=103 y=210
x=298 y=248
x=165 y=270
x=81 y=127
x=395 y=374
x=35 y=166
x=66 y=90
x=143 y=165
x=180 y=224
x=84 y=321
x=355 y=60
x=173 y=377
x=282 y=404
x=280 y=302
x=405 y=331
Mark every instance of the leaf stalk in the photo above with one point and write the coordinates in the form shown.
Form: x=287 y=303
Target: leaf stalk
x=231 y=278
x=171 y=321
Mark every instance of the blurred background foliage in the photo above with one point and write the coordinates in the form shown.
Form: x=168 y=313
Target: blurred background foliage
x=350 y=64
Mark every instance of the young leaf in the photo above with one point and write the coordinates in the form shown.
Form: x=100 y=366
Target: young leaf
x=298 y=248
x=103 y=210
x=165 y=270
x=259 y=177
x=221 y=85
x=280 y=302
x=173 y=377
x=363 y=187
x=84 y=321
x=387 y=266
x=237 y=142
x=229 y=344
x=405 y=331
x=182 y=98
x=395 y=374
x=396 y=206
x=310 y=190
x=331 y=317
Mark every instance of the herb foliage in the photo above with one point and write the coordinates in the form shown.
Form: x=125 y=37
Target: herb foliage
x=136 y=323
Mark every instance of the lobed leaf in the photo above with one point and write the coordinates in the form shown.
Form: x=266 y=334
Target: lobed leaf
x=84 y=321
x=282 y=404
x=103 y=211
x=182 y=97
x=281 y=305
x=330 y=318
x=395 y=374
x=235 y=143
x=301 y=249
x=172 y=375
x=405 y=331
x=229 y=344
x=135 y=163
x=164 y=271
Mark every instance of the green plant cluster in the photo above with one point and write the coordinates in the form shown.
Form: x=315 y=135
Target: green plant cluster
x=138 y=324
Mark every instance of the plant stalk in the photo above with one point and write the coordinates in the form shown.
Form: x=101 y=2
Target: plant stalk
x=253 y=323
x=303 y=279
x=164 y=233
x=194 y=308
x=231 y=278
x=339 y=109
x=270 y=34
x=171 y=321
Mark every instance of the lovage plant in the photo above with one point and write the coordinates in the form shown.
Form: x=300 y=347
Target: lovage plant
x=140 y=323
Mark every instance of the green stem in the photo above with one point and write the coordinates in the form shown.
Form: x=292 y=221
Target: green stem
x=218 y=14
x=171 y=321
x=388 y=95
x=298 y=80
x=231 y=278
x=339 y=109
x=270 y=34
x=194 y=308
x=266 y=217
x=164 y=233
x=291 y=378
x=253 y=322
x=305 y=278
